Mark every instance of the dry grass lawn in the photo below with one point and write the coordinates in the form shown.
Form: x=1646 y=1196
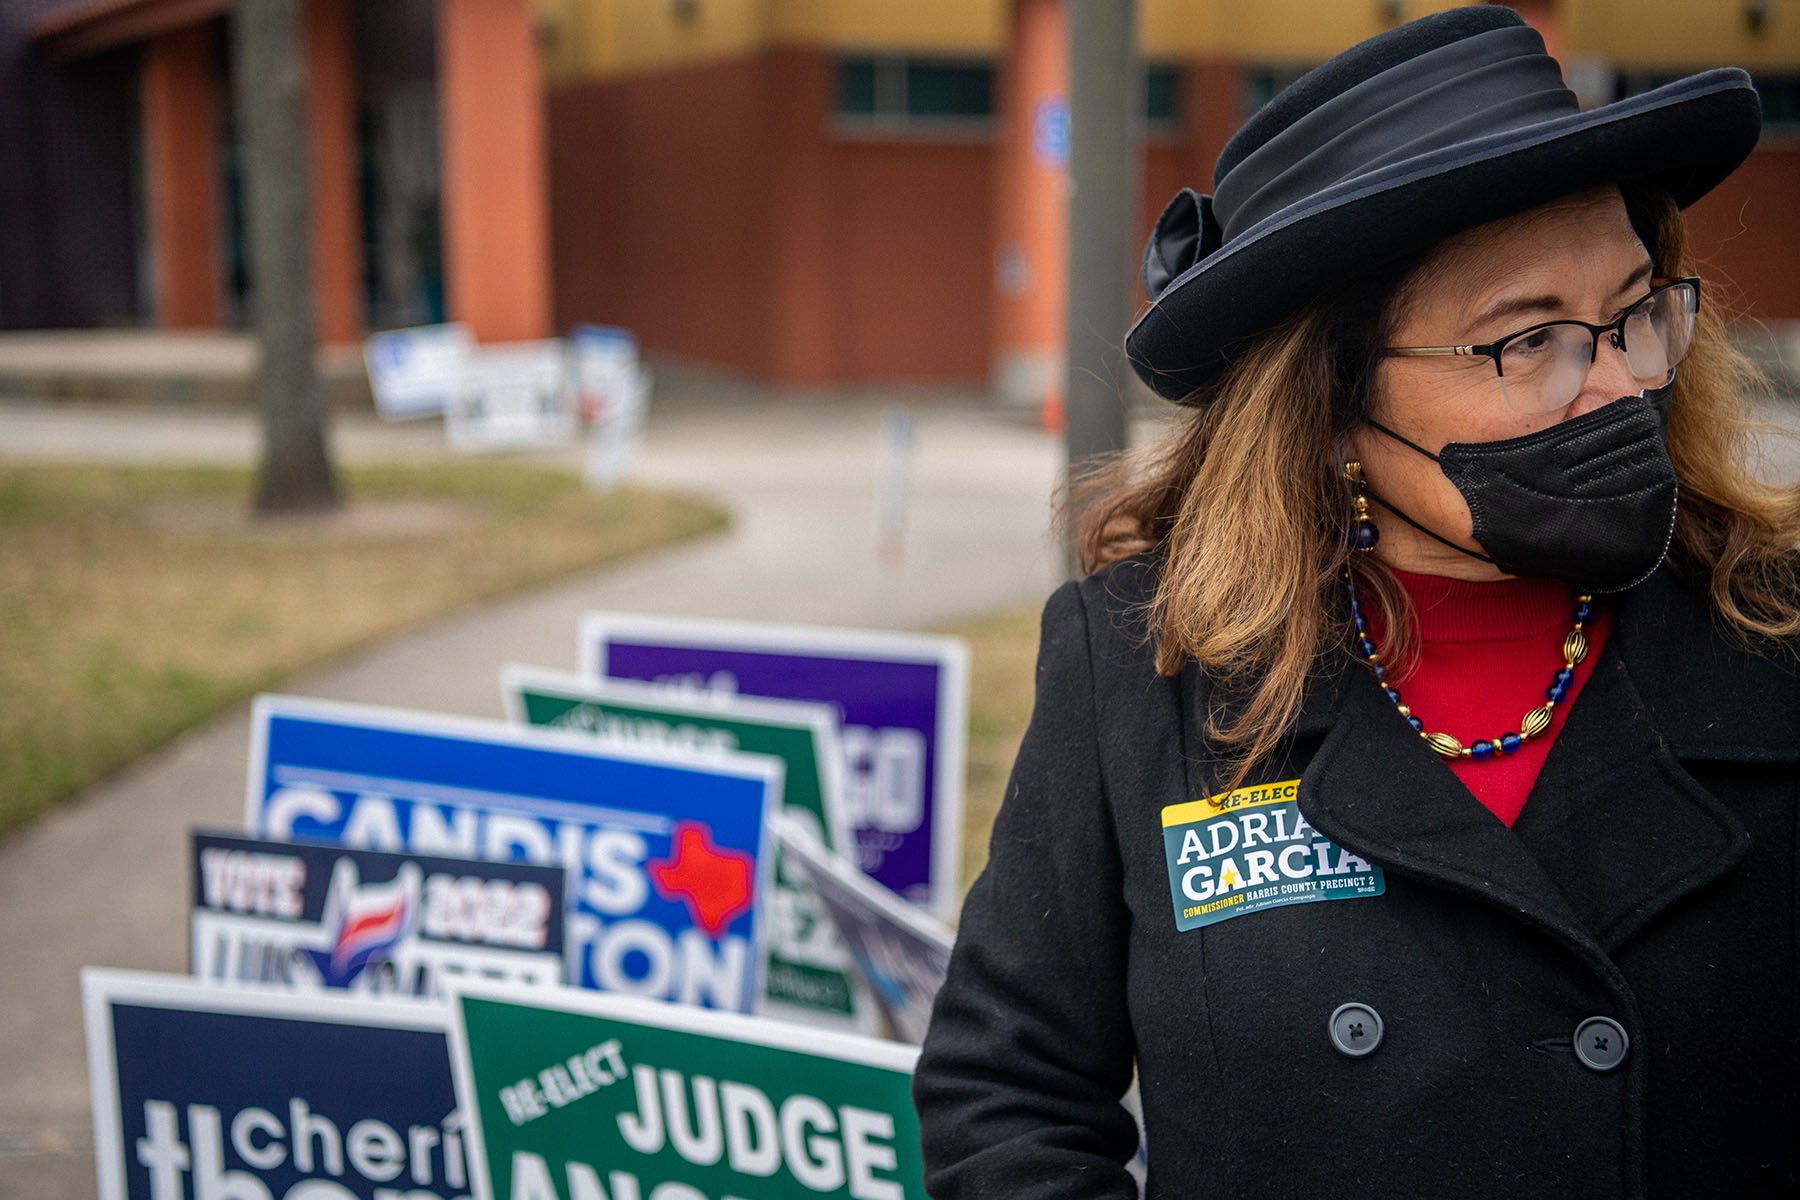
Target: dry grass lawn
x=135 y=602
x=1002 y=673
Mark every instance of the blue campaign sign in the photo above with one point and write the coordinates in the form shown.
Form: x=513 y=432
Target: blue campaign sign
x=666 y=849
x=234 y=1095
x=903 y=700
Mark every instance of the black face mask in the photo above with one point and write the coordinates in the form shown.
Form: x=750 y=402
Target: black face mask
x=1590 y=501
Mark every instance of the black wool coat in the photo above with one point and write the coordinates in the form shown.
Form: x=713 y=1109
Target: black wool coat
x=1651 y=880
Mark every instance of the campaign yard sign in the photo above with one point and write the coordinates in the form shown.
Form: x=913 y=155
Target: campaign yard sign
x=228 y=1094
x=806 y=975
x=612 y=393
x=323 y=917
x=616 y=437
x=577 y=1096
x=603 y=370
x=514 y=395
x=417 y=372
x=903 y=701
x=665 y=849
x=901 y=953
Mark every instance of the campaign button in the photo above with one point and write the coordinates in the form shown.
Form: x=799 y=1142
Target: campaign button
x=1355 y=1029
x=1600 y=1043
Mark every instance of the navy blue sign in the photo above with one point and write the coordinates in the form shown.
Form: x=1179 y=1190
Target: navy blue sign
x=307 y=916
x=664 y=848
x=204 y=1092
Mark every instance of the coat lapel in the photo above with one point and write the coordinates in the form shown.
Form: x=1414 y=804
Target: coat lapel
x=1375 y=788
x=1711 y=697
x=1617 y=829
x=1616 y=820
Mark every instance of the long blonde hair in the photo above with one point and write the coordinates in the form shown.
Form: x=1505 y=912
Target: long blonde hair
x=1247 y=510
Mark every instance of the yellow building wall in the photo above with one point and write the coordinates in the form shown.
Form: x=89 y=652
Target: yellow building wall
x=619 y=37
x=1678 y=34
x=1296 y=31
x=589 y=38
x=946 y=26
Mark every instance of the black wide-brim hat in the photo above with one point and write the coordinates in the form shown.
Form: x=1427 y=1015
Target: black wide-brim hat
x=1429 y=129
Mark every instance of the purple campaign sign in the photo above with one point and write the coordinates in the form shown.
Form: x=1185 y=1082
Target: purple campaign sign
x=902 y=699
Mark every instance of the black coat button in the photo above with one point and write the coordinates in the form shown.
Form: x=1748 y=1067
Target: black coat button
x=1600 y=1043
x=1355 y=1029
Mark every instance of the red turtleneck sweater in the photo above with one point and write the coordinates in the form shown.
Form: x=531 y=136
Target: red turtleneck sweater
x=1487 y=652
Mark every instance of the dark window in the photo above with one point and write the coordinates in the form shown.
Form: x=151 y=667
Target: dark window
x=1780 y=101
x=949 y=89
x=856 y=86
x=913 y=90
x=897 y=92
x=1162 y=98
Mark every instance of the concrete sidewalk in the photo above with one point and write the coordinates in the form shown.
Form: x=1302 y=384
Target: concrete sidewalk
x=102 y=880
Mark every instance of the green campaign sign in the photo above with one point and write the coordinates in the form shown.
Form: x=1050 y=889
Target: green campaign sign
x=807 y=972
x=578 y=1095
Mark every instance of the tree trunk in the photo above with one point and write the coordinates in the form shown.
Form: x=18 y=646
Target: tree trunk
x=269 y=65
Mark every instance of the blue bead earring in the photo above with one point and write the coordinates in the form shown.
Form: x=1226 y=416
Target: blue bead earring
x=1363 y=534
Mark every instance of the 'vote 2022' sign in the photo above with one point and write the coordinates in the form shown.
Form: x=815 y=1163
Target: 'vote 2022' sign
x=226 y=1094
x=666 y=851
x=577 y=1096
x=903 y=699
x=307 y=916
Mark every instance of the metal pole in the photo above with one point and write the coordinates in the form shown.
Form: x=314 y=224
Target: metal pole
x=1105 y=103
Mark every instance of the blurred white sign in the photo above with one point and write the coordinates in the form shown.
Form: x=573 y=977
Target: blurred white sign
x=893 y=487
x=513 y=396
x=613 y=394
x=416 y=372
x=603 y=361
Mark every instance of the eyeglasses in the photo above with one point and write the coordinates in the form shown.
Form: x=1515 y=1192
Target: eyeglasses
x=1542 y=368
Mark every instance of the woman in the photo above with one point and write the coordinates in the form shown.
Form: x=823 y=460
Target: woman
x=1413 y=791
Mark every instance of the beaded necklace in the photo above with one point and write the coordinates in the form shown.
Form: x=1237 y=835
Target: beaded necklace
x=1534 y=723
